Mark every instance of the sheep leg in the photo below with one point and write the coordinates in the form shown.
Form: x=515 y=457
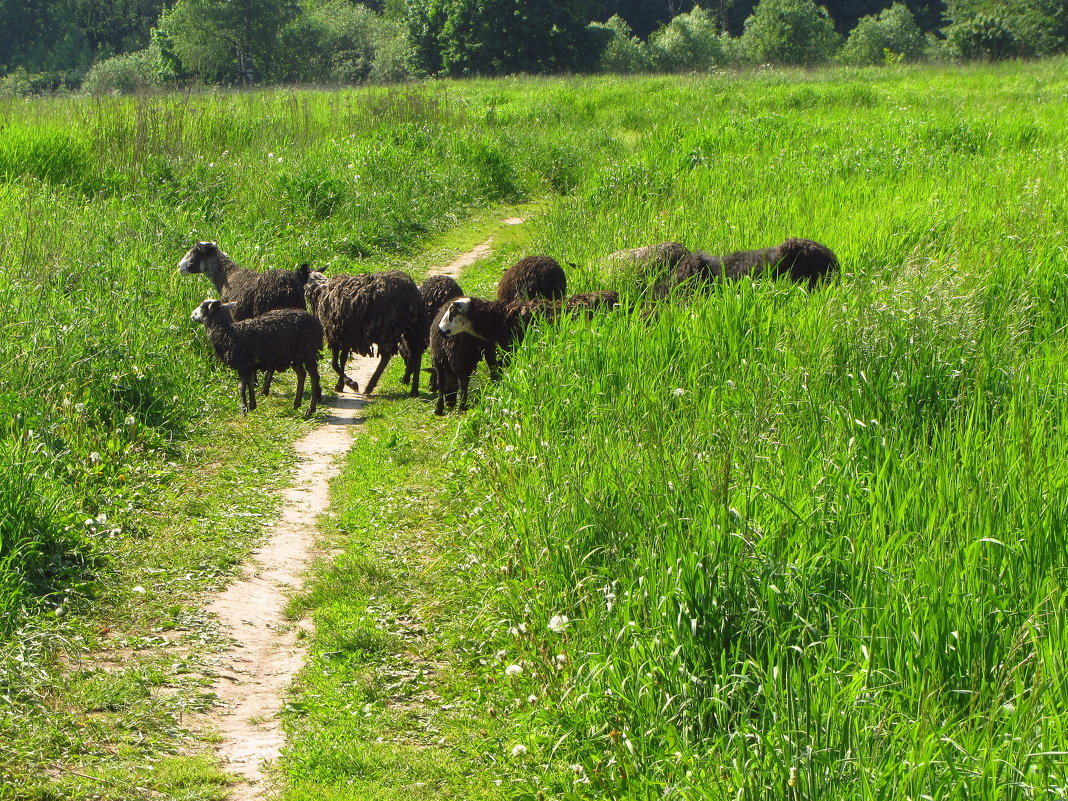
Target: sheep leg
x=415 y=366
x=267 y=376
x=465 y=382
x=300 y=371
x=316 y=390
x=338 y=360
x=382 y=363
x=247 y=389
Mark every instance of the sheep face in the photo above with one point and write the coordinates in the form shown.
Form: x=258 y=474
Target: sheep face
x=193 y=260
x=210 y=308
x=456 y=319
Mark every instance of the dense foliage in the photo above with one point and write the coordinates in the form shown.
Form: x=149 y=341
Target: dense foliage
x=49 y=44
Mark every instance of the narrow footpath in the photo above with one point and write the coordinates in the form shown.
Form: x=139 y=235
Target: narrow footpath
x=254 y=675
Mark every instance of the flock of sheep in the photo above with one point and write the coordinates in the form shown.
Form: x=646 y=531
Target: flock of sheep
x=278 y=319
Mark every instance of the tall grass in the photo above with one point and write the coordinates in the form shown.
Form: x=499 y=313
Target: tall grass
x=808 y=545
x=100 y=368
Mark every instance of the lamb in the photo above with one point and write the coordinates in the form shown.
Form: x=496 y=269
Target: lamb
x=363 y=312
x=803 y=260
x=251 y=292
x=275 y=340
x=533 y=277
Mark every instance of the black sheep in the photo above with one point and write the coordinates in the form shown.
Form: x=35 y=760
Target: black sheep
x=802 y=260
x=436 y=291
x=276 y=340
x=533 y=277
x=362 y=313
x=250 y=292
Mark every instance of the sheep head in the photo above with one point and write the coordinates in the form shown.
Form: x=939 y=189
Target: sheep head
x=212 y=309
x=192 y=261
x=457 y=319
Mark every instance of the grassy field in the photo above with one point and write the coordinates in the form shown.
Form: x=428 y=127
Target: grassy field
x=790 y=544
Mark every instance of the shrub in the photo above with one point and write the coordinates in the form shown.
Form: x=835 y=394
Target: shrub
x=124 y=74
x=982 y=37
x=689 y=42
x=16 y=83
x=624 y=52
x=794 y=32
x=893 y=31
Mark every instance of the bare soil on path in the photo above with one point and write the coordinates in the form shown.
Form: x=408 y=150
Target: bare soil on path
x=253 y=675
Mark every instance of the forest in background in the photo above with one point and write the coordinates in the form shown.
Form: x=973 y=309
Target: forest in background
x=129 y=45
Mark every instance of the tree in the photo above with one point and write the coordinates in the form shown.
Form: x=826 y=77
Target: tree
x=893 y=31
x=689 y=42
x=226 y=39
x=1007 y=28
x=496 y=37
x=624 y=52
x=793 y=32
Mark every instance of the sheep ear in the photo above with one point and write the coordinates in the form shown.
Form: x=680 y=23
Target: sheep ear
x=228 y=306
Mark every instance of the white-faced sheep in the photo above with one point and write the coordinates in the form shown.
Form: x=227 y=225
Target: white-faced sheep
x=276 y=340
x=436 y=291
x=362 y=313
x=533 y=277
x=252 y=292
x=802 y=260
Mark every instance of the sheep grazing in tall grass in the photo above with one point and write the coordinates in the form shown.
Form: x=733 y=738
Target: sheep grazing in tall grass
x=276 y=340
x=802 y=260
x=466 y=329
x=532 y=277
x=369 y=312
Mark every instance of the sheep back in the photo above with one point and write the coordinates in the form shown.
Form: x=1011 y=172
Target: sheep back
x=359 y=312
x=802 y=260
x=532 y=277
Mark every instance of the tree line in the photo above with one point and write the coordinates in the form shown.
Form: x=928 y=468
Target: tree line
x=124 y=45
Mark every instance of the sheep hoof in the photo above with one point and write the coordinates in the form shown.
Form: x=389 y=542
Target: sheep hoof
x=351 y=385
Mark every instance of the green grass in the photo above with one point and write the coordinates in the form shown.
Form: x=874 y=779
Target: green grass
x=807 y=545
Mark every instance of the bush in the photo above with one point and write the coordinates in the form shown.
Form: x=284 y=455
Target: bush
x=983 y=37
x=689 y=42
x=624 y=52
x=16 y=83
x=794 y=32
x=893 y=31
x=339 y=42
x=123 y=75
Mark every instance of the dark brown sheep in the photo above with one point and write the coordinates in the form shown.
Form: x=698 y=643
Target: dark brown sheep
x=802 y=260
x=436 y=291
x=250 y=292
x=533 y=277
x=276 y=340
x=365 y=313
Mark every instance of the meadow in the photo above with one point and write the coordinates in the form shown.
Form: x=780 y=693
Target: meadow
x=762 y=543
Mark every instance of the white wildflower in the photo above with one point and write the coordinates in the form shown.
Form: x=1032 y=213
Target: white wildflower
x=512 y=670
x=519 y=750
x=558 y=623
x=94 y=457
x=679 y=392
x=532 y=699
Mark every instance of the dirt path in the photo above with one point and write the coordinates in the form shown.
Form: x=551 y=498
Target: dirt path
x=253 y=676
